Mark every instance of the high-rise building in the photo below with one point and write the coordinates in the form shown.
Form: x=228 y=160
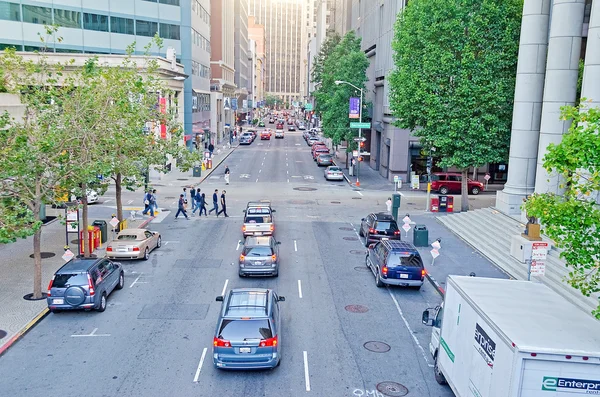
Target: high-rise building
x=241 y=55
x=256 y=33
x=286 y=41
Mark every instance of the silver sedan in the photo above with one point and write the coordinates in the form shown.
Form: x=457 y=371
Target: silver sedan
x=133 y=244
x=334 y=173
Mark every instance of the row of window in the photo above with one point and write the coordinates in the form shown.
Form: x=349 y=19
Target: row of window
x=200 y=70
x=169 y=2
x=97 y=22
x=200 y=40
x=200 y=11
x=200 y=102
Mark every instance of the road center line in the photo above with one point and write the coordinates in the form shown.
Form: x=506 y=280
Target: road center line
x=200 y=365
x=225 y=287
x=238 y=245
x=359 y=192
x=300 y=289
x=306 y=374
x=256 y=179
x=259 y=171
x=295 y=246
x=135 y=281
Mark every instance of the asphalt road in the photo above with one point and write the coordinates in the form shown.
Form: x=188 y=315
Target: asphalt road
x=154 y=333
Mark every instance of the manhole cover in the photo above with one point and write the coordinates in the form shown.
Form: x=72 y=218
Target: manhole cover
x=182 y=179
x=76 y=241
x=356 y=198
x=305 y=189
x=377 y=347
x=362 y=269
x=410 y=203
x=357 y=252
x=392 y=389
x=45 y=255
x=2 y=333
x=336 y=202
x=29 y=297
x=170 y=198
x=351 y=238
x=158 y=184
x=346 y=228
x=357 y=308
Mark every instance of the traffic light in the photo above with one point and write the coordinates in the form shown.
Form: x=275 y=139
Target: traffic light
x=361 y=145
x=360 y=158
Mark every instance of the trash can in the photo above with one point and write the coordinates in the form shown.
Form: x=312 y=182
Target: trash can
x=103 y=226
x=197 y=171
x=420 y=236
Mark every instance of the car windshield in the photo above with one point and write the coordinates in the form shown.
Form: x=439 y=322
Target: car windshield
x=65 y=280
x=127 y=237
x=325 y=156
x=386 y=226
x=405 y=259
x=258 y=251
x=245 y=329
x=335 y=169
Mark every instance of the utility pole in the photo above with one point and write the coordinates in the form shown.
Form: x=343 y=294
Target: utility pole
x=338 y=82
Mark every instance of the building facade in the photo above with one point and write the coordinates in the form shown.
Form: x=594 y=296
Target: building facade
x=285 y=36
x=241 y=78
x=222 y=64
x=256 y=33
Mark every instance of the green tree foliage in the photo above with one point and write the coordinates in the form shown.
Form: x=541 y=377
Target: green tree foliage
x=572 y=219
x=347 y=62
x=332 y=39
x=272 y=101
x=453 y=85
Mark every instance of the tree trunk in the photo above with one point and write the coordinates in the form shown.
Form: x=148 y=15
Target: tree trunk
x=87 y=252
x=464 y=197
x=37 y=255
x=474 y=173
x=119 y=195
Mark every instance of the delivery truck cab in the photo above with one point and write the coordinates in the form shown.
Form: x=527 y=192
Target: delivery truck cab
x=510 y=338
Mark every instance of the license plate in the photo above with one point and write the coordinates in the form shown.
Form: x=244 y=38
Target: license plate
x=245 y=350
x=257 y=263
x=122 y=250
x=403 y=275
x=258 y=233
x=58 y=301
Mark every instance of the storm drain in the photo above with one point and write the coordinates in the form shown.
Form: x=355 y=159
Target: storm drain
x=170 y=198
x=350 y=238
x=357 y=308
x=346 y=228
x=2 y=333
x=357 y=252
x=45 y=255
x=356 y=198
x=336 y=202
x=377 y=347
x=182 y=179
x=305 y=189
x=392 y=389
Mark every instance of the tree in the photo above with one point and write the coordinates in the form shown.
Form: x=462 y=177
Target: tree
x=331 y=41
x=572 y=219
x=453 y=85
x=272 y=101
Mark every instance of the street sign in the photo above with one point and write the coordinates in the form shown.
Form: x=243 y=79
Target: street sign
x=360 y=125
x=68 y=255
x=396 y=178
x=539 y=251
x=406 y=227
x=406 y=219
x=434 y=253
x=538 y=268
x=114 y=222
x=308 y=107
x=360 y=139
x=436 y=245
x=365 y=153
x=487 y=177
x=355 y=153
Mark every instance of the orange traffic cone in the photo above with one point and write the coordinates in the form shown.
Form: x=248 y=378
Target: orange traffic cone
x=357 y=182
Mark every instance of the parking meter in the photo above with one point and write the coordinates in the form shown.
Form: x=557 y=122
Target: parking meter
x=395 y=205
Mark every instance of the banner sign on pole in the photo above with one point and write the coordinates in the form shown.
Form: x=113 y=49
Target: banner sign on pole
x=234 y=104
x=354 y=108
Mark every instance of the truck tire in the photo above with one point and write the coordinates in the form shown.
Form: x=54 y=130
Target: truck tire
x=439 y=376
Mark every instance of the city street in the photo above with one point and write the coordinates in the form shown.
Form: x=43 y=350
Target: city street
x=155 y=338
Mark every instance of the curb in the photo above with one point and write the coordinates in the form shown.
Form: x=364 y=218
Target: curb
x=214 y=167
x=435 y=284
x=343 y=173
x=145 y=223
x=23 y=331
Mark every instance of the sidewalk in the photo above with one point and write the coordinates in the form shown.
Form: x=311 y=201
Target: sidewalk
x=18 y=315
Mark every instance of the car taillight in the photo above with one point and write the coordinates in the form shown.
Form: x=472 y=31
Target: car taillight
x=221 y=342
x=243 y=228
x=273 y=258
x=272 y=342
x=91 y=286
x=397 y=232
x=423 y=273
x=272 y=227
x=50 y=285
x=108 y=249
x=371 y=230
x=384 y=270
x=136 y=248
x=242 y=257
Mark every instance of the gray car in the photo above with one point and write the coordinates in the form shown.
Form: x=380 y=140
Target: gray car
x=84 y=283
x=259 y=257
x=324 y=159
x=333 y=173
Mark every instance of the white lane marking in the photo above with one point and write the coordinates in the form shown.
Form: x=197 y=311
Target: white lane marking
x=288 y=181
x=256 y=179
x=355 y=232
x=295 y=246
x=359 y=192
x=409 y=329
x=263 y=163
x=306 y=374
x=91 y=334
x=136 y=280
x=259 y=171
x=300 y=289
x=238 y=245
x=106 y=201
x=129 y=202
x=288 y=172
x=200 y=365
x=225 y=287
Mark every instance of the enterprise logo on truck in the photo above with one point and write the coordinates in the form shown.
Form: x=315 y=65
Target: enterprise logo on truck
x=568 y=385
x=485 y=345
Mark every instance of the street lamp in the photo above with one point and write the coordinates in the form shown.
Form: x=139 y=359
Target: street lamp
x=338 y=82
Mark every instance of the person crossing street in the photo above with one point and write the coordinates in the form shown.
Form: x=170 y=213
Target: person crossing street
x=223 y=205
x=227 y=173
x=181 y=207
x=215 y=203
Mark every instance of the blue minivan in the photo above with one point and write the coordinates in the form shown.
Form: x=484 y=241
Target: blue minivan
x=395 y=262
x=248 y=332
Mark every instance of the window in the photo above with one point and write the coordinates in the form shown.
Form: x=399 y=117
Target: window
x=66 y=50
x=10 y=11
x=169 y=2
x=41 y=15
x=245 y=329
x=4 y=46
x=251 y=252
x=408 y=261
x=168 y=31
x=383 y=226
x=95 y=22
x=145 y=28
x=66 y=279
x=67 y=18
x=121 y=25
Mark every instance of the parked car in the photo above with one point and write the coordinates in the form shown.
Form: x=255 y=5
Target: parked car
x=248 y=335
x=246 y=138
x=333 y=173
x=253 y=132
x=395 y=263
x=324 y=159
x=291 y=127
x=133 y=244
x=279 y=134
x=377 y=226
x=312 y=140
x=301 y=127
x=259 y=257
x=265 y=135
x=261 y=123
x=84 y=283
x=450 y=182
x=318 y=151
x=92 y=196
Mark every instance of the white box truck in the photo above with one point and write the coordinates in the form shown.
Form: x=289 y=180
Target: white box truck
x=509 y=338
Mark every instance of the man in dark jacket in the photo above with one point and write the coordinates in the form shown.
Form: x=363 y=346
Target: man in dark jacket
x=223 y=205
x=215 y=203
x=181 y=207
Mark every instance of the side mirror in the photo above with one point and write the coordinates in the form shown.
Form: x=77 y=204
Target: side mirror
x=244 y=211
x=425 y=317
x=282 y=299
x=363 y=219
x=273 y=210
x=219 y=298
x=279 y=243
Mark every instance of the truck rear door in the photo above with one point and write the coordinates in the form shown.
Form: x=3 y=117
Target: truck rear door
x=552 y=375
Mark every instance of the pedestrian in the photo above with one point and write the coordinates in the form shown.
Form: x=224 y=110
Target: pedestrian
x=203 y=205
x=196 y=204
x=223 y=205
x=215 y=203
x=148 y=204
x=211 y=148
x=181 y=207
x=227 y=172
x=388 y=204
x=193 y=197
x=155 y=199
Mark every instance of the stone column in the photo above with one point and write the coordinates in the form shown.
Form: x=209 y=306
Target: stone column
x=560 y=89
x=591 y=74
x=529 y=90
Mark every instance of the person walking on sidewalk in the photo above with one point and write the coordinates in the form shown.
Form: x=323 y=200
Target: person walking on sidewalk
x=227 y=172
x=181 y=207
x=203 y=205
x=148 y=204
x=215 y=203
x=223 y=205
x=211 y=149
x=388 y=204
x=155 y=200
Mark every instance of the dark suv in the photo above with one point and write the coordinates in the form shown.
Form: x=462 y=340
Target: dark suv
x=84 y=283
x=248 y=333
x=395 y=263
x=377 y=226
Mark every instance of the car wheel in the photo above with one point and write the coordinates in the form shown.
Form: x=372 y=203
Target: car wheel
x=121 y=281
x=360 y=232
x=242 y=275
x=366 y=240
x=444 y=190
x=439 y=376
x=146 y=254
x=475 y=191
x=159 y=242
x=378 y=281
x=367 y=261
x=102 y=306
